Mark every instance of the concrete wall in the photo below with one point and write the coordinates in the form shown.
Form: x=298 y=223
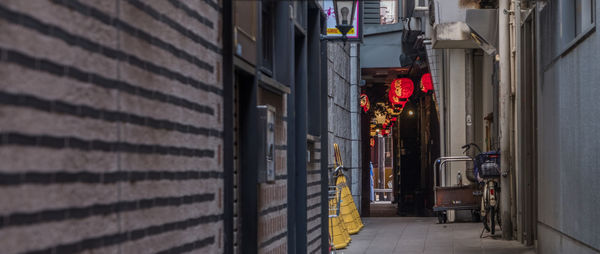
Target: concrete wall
x=449 y=11
x=344 y=118
x=111 y=126
x=568 y=120
x=454 y=100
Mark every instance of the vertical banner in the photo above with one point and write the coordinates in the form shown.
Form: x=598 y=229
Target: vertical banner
x=355 y=34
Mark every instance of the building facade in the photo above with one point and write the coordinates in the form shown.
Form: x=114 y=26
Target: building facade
x=171 y=126
x=567 y=114
x=112 y=127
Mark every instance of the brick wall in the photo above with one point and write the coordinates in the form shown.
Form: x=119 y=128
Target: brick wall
x=272 y=199
x=111 y=126
x=313 y=198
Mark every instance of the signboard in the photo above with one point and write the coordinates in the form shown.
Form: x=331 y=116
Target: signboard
x=355 y=34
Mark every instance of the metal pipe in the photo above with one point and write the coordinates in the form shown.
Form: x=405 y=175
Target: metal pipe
x=470 y=128
x=519 y=124
x=504 y=105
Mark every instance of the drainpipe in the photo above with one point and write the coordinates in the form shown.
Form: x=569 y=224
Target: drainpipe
x=504 y=105
x=470 y=128
x=518 y=136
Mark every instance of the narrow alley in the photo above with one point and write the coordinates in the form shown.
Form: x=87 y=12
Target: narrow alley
x=299 y=126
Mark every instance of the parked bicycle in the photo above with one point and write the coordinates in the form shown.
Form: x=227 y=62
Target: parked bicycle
x=487 y=171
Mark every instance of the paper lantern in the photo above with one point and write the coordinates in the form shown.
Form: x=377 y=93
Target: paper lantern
x=402 y=88
x=364 y=102
x=426 y=83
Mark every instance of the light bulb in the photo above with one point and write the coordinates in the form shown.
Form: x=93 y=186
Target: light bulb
x=345 y=13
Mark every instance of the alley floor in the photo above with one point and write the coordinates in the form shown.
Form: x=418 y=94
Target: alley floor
x=410 y=235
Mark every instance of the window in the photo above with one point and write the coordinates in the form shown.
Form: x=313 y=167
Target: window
x=268 y=15
x=388 y=11
x=577 y=19
x=584 y=15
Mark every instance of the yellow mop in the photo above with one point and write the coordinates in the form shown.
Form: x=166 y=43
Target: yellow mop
x=348 y=211
x=338 y=235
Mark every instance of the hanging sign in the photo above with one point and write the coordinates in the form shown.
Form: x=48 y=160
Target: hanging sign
x=355 y=34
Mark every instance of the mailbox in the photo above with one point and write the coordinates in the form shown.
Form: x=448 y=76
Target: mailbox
x=266 y=143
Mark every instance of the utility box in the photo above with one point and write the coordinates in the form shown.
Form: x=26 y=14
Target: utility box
x=266 y=143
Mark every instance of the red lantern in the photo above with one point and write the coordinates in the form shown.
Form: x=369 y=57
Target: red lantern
x=426 y=83
x=402 y=88
x=364 y=102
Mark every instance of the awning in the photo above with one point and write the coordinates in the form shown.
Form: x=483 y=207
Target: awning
x=480 y=31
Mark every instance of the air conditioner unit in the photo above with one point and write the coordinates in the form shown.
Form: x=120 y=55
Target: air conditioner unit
x=422 y=5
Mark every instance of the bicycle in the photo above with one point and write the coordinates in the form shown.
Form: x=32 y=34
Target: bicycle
x=487 y=173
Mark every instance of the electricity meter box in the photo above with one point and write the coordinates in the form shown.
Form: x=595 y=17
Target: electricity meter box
x=266 y=143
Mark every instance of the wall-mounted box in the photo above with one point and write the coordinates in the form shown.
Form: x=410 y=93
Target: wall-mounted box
x=266 y=143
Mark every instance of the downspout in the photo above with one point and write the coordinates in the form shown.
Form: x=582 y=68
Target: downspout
x=228 y=120
x=518 y=122
x=442 y=112
x=470 y=128
x=504 y=108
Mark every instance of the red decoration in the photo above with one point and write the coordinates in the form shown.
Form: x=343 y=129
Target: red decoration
x=401 y=88
x=372 y=142
x=364 y=102
x=426 y=83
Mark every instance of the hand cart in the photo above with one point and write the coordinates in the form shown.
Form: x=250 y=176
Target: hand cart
x=465 y=197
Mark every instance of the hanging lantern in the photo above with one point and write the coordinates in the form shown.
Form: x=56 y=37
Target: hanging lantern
x=364 y=102
x=426 y=83
x=400 y=89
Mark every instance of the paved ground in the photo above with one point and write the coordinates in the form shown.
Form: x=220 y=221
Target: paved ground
x=411 y=235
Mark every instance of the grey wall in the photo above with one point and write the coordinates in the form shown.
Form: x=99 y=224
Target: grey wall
x=343 y=111
x=569 y=146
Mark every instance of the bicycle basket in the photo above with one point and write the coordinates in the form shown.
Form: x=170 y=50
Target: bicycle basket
x=490 y=169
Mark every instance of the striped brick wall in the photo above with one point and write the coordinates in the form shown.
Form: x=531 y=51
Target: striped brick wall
x=272 y=199
x=111 y=126
x=313 y=199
